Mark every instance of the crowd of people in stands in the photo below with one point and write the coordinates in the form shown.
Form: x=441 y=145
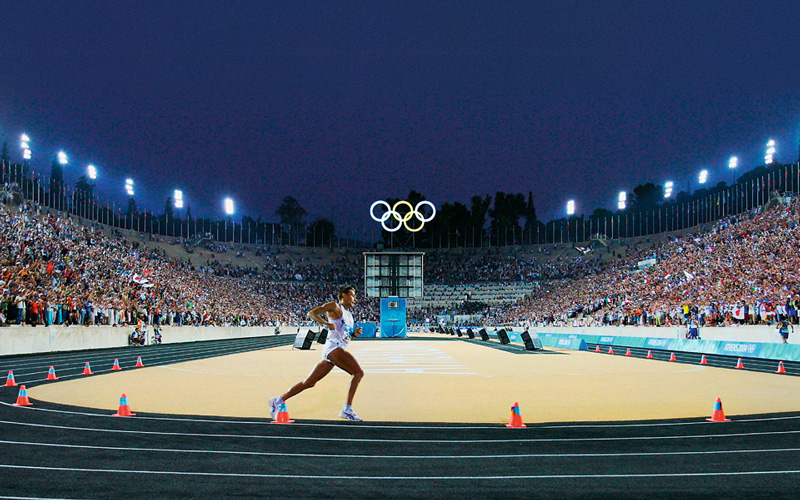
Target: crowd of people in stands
x=742 y=270
x=56 y=269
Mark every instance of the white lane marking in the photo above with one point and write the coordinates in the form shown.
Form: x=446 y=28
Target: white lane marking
x=409 y=357
x=362 y=477
x=375 y=440
x=398 y=457
x=418 y=426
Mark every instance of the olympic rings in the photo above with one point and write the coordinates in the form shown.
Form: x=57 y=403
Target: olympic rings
x=402 y=219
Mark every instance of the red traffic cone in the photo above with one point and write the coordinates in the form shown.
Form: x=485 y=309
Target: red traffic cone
x=22 y=399
x=139 y=363
x=597 y=349
x=739 y=365
x=124 y=408
x=649 y=355
x=10 y=382
x=51 y=374
x=610 y=350
x=672 y=357
x=283 y=416
x=515 y=421
x=628 y=352
x=116 y=367
x=718 y=415
x=87 y=370
x=703 y=360
x=781 y=369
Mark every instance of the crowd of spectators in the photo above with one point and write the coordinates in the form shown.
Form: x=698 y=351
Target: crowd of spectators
x=741 y=270
x=56 y=269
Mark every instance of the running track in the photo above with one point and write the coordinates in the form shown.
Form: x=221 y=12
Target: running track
x=54 y=451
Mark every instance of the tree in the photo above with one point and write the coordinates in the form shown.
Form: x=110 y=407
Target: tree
x=507 y=210
x=478 y=210
x=646 y=197
x=291 y=215
x=321 y=232
x=168 y=209
x=4 y=153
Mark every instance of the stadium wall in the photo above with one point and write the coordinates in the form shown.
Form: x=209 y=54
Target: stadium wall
x=39 y=339
x=763 y=334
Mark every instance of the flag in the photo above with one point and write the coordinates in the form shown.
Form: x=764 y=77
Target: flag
x=143 y=282
x=689 y=275
x=738 y=313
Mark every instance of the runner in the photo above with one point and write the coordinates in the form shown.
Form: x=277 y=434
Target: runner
x=340 y=325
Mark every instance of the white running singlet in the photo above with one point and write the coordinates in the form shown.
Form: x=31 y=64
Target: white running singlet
x=340 y=336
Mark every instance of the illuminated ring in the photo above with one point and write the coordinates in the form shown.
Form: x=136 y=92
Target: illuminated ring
x=385 y=215
x=402 y=219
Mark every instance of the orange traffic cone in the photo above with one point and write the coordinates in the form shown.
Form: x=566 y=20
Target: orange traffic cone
x=283 y=416
x=124 y=408
x=139 y=363
x=51 y=374
x=718 y=415
x=515 y=421
x=703 y=360
x=116 y=367
x=22 y=399
x=597 y=349
x=649 y=355
x=628 y=352
x=10 y=382
x=610 y=350
x=781 y=369
x=672 y=357
x=739 y=365
x=87 y=370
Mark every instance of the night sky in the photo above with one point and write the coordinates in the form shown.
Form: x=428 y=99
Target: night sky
x=342 y=103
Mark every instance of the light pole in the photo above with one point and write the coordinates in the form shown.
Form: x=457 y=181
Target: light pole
x=667 y=195
x=129 y=190
x=178 y=202
x=91 y=170
x=570 y=213
x=770 y=156
x=62 y=160
x=229 y=209
x=26 y=155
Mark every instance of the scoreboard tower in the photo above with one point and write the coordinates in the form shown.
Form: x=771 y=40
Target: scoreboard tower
x=393 y=277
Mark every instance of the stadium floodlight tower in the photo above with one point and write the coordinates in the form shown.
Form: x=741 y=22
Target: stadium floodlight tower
x=177 y=202
x=703 y=176
x=622 y=200
x=91 y=170
x=229 y=209
x=770 y=156
x=25 y=144
x=570 y=213
x=732 y=164
x=129 y=186
x=668 y=189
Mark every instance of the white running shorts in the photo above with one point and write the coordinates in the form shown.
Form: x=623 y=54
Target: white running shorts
x=330 y=346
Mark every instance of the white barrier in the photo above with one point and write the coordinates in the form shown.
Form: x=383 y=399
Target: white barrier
x=38 y=339
x=751 y=333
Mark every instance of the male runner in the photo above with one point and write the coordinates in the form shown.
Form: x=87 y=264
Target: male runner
x=340 y=327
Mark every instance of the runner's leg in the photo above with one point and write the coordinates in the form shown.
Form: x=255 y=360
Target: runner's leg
x=348 y=363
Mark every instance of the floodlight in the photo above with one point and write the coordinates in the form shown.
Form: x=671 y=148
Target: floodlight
x=733 y=162
x=62 y=158
x=703 y=176
x=570 y=207
x=92 y=172
x=229 y=206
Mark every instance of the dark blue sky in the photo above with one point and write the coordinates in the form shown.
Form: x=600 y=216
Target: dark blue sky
x=342 y=103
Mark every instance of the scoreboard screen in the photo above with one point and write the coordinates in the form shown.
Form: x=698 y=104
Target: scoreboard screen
x=393 y=274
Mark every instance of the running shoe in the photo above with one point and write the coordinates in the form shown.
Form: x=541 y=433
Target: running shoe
x=349 y=414
x=275 y=406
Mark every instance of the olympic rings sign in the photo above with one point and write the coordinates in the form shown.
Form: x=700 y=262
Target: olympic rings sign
x=392 y=212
